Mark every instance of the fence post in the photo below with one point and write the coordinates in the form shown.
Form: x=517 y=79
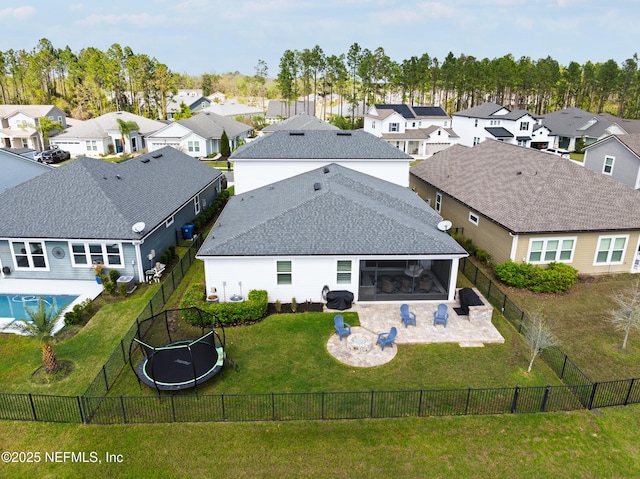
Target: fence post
x=322 y=404
x=593 y=393
x=420 y=405
x=173 y=409
x=371 y=405
x=106 y=381
x=466 y=408
x=124 y=355
x=504 y=303
x=79 y=401
x=626 y=400
x=545 y=398
x=33 y=407
x=514 y=403
x=224 y=417
x=564 y=364
x=273 y=406
x=124 y=412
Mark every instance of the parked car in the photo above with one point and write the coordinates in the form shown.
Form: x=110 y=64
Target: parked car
x=556 y=151
x=54 y=155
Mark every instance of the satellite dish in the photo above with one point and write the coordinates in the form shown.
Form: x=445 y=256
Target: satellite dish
x=445 y=225
x=138 y=227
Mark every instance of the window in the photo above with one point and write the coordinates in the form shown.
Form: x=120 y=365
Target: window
x=438 y=202
x=611 y=250
x=475 y=123
x=283 y=272
x=446 y=124
x=344 y=272
x=196 y=203
x=551 y=249
x=413 y=124
x=473 y=218
x=524 y=125
x=476 y=140
x=60 y=120
x=29 y=255
x=607 y=169
x=86 y=254
x=522 y=142
x=373 y=125
x=394 y=127
x=25 y=143
x=194 y=146
x=169 y=221
x=92 y=145
x=439 y=132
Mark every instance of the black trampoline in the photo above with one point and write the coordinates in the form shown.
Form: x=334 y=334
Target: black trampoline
x=179 y=363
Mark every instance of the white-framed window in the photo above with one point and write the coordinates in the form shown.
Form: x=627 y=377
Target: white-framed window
x=60 y=120
x=92 y=145
x=473 y=218
x=413 y=124
x=344 y=271
x=476 y=140
x=607 y=167
x=522 y=142
x=611 y=250
x=394 y=127
x=29 y=255
x=446 y=123
x=546 y=250
x=373 y=125
x=284 y=272
x=169 y=221
x=196 y=204
x=194 y=146
x=25 y=143
x=524 y=125
x=88 y=254
x=475 y=122
x=438 y=201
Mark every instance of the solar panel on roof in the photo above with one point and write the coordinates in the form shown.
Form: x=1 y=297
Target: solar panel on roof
x=429 y=111
x=403 y=110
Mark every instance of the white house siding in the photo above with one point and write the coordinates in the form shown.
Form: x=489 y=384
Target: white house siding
x=252 y=174
x=78 y=146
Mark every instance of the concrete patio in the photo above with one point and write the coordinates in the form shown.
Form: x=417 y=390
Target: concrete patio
x=380 y=317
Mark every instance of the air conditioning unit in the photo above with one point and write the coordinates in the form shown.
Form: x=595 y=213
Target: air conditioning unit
x=129 y=281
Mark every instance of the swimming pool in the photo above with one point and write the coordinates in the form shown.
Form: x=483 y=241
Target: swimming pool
x=12 y=305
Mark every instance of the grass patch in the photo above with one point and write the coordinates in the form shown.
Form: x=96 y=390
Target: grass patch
x=579 y=444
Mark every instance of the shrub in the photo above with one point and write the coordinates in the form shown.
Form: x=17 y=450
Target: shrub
x=114 y=274
x=278 y=306
x=294 y=305
x=79 y=313
x=254 y=308
x=555 y=278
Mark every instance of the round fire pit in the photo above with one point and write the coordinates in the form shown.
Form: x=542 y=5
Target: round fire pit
x=359 y=343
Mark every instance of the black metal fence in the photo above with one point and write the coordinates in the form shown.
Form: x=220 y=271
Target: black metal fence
x=94 y=406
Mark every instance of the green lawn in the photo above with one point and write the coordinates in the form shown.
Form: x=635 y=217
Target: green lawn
x=579 y=318
x=579 y=444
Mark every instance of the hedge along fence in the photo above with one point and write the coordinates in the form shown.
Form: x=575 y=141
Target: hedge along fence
x=227 y=313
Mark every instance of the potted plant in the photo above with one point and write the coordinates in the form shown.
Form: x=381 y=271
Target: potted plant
x=97 y=269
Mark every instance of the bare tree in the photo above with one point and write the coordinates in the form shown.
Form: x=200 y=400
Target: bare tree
x=538 y=335
x=625 y=316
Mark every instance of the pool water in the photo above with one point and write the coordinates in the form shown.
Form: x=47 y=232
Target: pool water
x=12 y=305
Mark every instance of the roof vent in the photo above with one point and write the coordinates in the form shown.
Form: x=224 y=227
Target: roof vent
x=344 y=133
x=296 y=133
x=145 y=160
x=159 y=155
x=119 y=177
x=326 y=170
x=317 y=186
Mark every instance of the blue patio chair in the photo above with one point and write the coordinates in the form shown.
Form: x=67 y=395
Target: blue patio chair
x=441 y=315
x=342 y=328
x=408 y=317
x=386 y=339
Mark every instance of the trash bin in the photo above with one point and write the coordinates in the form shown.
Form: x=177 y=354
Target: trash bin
x=187 y=231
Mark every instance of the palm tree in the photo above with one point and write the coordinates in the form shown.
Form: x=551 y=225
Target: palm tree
x=126 y=127
x=40 y=325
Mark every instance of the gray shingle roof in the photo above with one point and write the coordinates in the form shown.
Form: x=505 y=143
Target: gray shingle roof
x=100 y=126
x=210 y=126
x=301 y=121
x=528 y=191
x=487 y=111
x=319 y=144
x=351 y=213
x=91 y=199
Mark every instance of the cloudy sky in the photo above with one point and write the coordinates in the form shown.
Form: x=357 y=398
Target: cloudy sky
x=217 y=36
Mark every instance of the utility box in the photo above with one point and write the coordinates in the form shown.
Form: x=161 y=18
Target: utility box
x=127 y=280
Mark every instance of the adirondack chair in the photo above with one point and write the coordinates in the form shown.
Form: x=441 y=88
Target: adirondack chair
x=386 y=339
x=441 y=315
x=408 y=317
x=342 y=328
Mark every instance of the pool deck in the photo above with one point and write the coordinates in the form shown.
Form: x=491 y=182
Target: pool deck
x=83 y=289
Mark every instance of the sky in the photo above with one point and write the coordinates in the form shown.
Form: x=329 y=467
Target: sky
x=219 y=36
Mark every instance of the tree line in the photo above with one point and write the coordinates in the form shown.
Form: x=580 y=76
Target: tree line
x=92 y=82
x=457 y=83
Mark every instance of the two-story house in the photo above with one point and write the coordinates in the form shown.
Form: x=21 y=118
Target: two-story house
x=19 y=124
x=419 y=131
x=616 y=156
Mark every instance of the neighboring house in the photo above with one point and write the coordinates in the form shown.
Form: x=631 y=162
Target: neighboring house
x=192 y=98
x=199 y=136
x=18 y=124
x=528 y=206
x=419 y=131
x=17 y=169
x=88 y=211
x=571 y=124
x=299 y=122
x=282 y=154
x=346 y=110
x=102 y=136
x=335 y=227
x=233 y=110
x=616 y=156
x=217 y=97
x=278 y=110
x=495 y=122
